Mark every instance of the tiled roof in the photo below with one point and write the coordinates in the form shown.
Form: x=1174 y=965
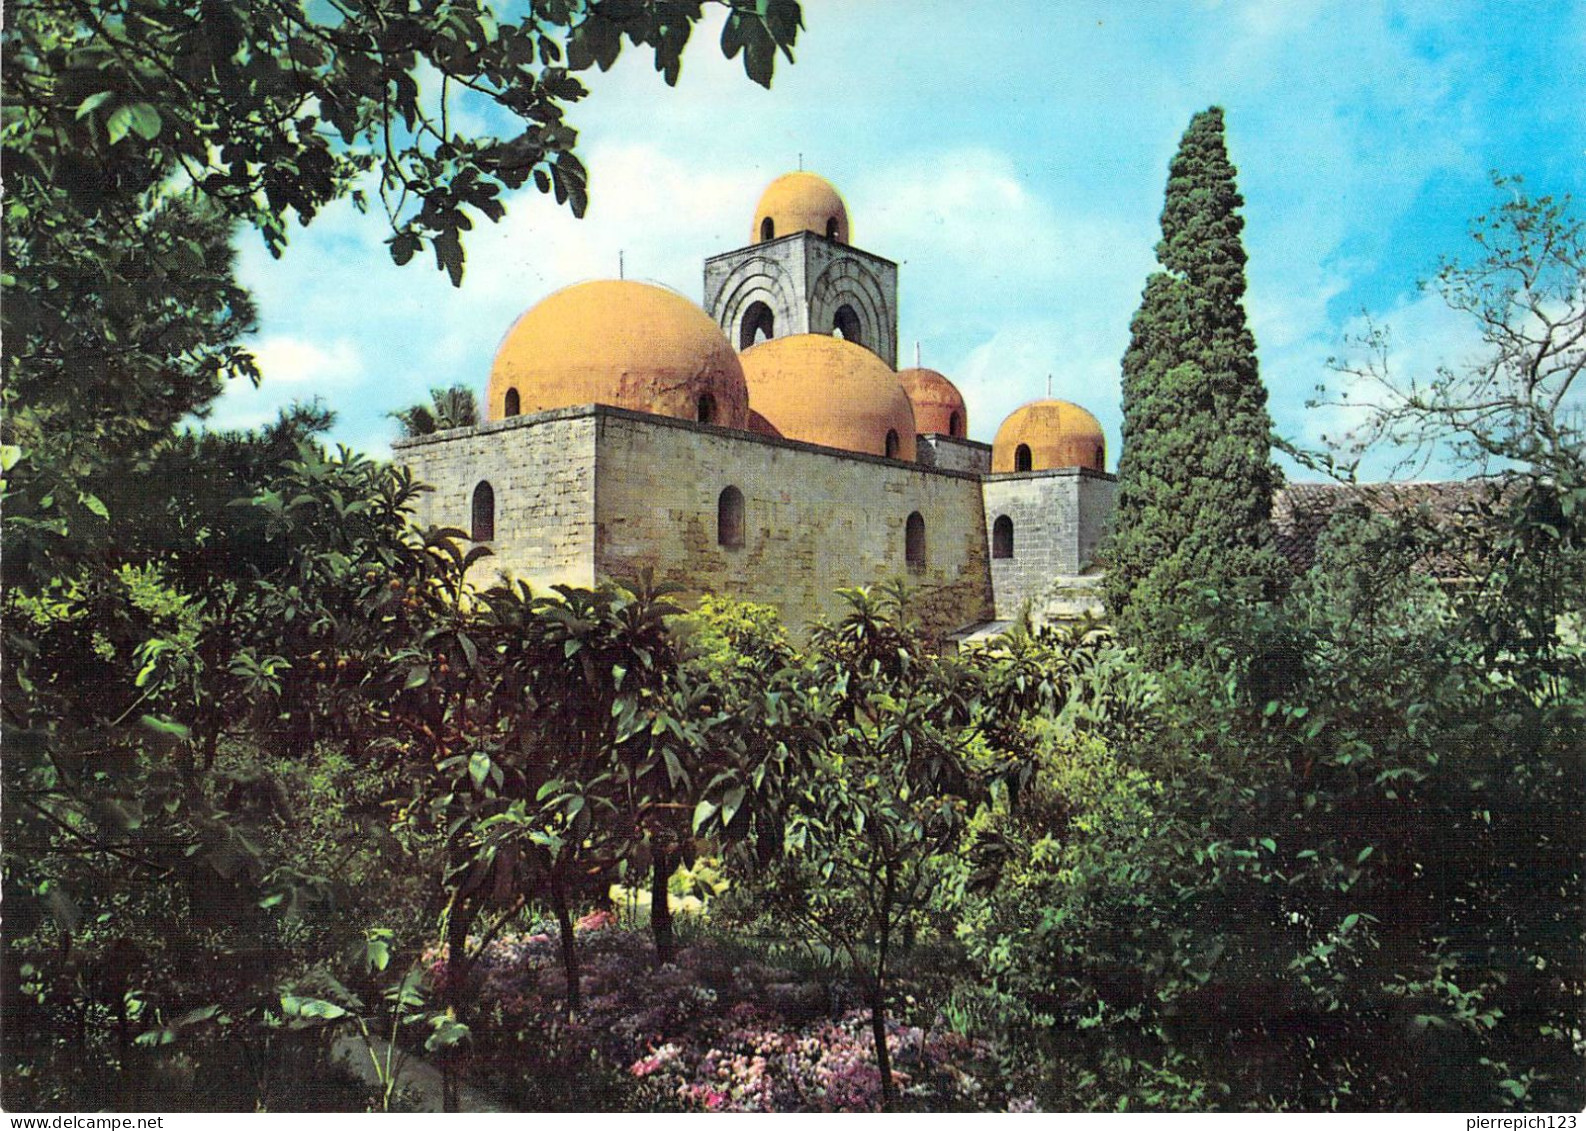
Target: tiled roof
x=1301 y=511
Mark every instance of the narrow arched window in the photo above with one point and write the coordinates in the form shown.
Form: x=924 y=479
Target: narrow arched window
x=955 y=425
x=729 y=518
x=831 y=227
x=1002 y=537
x=513 y=405
x=845 y=325
x=1021 y=458
x=892 y=443
x=759 y=325
x=914 y=541
x=767 y=229
x=1101 y=458
x=707 y=408
x=484 y=514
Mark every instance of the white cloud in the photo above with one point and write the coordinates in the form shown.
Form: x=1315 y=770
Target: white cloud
x=290 y=369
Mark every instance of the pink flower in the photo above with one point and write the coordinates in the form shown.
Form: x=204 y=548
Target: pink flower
x=596 y=921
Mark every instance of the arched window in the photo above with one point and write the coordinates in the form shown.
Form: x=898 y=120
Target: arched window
x=914 y=542
x=707 y=408
x=845 y=325
x=759 y=324
x=831 y=227
x=1101 y=458
x=955 y=425
x=1002 y=537
x=484 y=516
x=729 y=518
x=1021 y=458
x=514 y=405
x=892 y=443
x=767 y=229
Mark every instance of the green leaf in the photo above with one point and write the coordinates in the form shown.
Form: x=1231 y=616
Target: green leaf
x=731 y=804
x=93 y=503
x=137 y=117
x=702 y=813
x=479 y=768
x=165 y=727
x=88 y=105
x=310 y=1010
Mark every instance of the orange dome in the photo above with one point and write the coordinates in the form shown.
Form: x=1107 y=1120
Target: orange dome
x=614 y=342
x=1047 y=434
x=938 y=405
x=800 y=202
x=824 y=390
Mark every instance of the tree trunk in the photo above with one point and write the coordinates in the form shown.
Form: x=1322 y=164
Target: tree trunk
x=456 y=978
x=564 y=924
x=661 y=908
x=878 y=1029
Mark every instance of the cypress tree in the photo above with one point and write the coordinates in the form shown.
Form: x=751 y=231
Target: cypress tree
x=1196 y=478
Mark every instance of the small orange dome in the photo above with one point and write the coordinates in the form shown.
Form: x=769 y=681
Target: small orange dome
x=616 y=342
x=1046 y=434
x=824 y=390
x=938 y=405
x=800 y=202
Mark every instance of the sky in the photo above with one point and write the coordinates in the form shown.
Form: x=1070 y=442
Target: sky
x=1011 y=158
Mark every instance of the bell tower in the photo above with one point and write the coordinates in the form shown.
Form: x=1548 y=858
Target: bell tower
x=801 y=275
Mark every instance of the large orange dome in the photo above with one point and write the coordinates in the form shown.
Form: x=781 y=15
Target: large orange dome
x=1046 y=434
x=616 y=342
x=938 y=405
x=825 y=390
x=800 y=202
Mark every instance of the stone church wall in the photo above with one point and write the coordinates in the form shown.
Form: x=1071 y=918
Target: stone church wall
x=1059 y=518
x=949 y=453
x=542 y=471
x=814 y=521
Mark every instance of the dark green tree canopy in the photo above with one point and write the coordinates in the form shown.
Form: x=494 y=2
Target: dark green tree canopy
x=1195 y=477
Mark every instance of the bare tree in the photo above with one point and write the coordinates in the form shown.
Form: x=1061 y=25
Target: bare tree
x=1519 y=401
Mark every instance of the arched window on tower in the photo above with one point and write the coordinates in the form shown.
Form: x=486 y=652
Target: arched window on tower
x=845 y=325
x=1021 y=458
x=831 y=227
x=914 y=542
x=729 y=518
x=484 y=512
x=767 y=229
x=759 y=324
x=1002 y=537
x=892 y=444
x=707 y=408
x=955 y=425
x=514 y=405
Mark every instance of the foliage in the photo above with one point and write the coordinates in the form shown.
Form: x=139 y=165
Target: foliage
x=889 y=777
x=454 y=407
x=1195 y=480
x=276 y=109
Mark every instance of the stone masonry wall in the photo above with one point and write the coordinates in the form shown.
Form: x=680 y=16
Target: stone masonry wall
x=952 y=454
x=814 y=520
x=1058 y=520
x=542 y=470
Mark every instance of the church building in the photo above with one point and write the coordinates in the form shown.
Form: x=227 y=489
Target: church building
x=765 y=446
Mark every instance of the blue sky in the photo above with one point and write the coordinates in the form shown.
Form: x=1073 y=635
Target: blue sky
x=1012 y=158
